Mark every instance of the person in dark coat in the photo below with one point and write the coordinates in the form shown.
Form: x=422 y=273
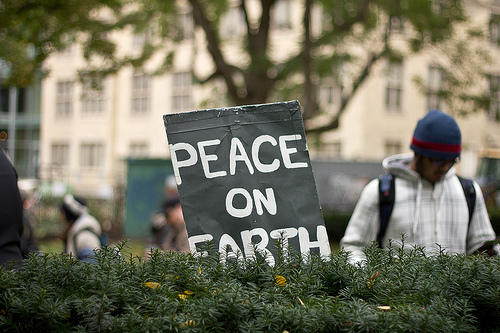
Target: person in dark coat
x=11 y=213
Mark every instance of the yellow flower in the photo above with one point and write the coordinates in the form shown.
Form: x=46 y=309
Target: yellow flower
x=188 y=292
x=280 y=280
x=152 y=285
x=182 y=296
x=189 y=323
x=199 y=270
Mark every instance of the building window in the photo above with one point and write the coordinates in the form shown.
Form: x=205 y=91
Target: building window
x=396 y=24
x=434 y=88
x=328 y=150
x=138 y=149
x=494 y=29
x=394 y=87
x=329 y=95
x=23 y=99
x=60 y=154
x=321 y=21
x=232 y=24
x=282 y=15
x=92 y=155
x=140 y=39
x=5 y=68
x=141 y=92
x=438 y=7
x=4 y=99
x=181 y=92
x=392 y=147
x=68 y=46
x=64 y=98
x=494 y=111
x=185 y=27
x=93 y=98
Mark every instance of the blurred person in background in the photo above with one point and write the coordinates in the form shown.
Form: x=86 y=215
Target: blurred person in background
x=168 y=228
x=11 y=213
x=176 y=238
x=170 y=187
x=159 y=230
x=82 y=232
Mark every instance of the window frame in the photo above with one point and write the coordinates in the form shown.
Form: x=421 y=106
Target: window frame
x=494 y=91
x=394 y=86
x=94 y=100
x=64 y=98
x=434 y=87
x=60 y=154
x=182 y=94
x=92 y=155
x=141 y=89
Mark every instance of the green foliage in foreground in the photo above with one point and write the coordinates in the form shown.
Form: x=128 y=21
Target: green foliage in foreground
x=395 y=291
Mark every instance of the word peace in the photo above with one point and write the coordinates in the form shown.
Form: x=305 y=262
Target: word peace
x=237 y=153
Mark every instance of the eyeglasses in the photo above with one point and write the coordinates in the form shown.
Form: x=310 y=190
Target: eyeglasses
x=440 y=162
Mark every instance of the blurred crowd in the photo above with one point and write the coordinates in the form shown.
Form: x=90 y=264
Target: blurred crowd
x=81 y=233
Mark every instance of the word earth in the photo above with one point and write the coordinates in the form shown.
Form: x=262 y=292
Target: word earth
x=228 y=246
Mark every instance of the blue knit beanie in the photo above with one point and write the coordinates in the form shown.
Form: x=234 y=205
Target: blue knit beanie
x=437 y=135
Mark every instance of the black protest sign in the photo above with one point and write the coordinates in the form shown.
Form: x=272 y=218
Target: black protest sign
x=245 y=179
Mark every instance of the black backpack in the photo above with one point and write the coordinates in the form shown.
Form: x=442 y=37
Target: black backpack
x=387 y=192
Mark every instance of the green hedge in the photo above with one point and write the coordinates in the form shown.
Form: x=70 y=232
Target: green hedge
x=396 y=290
x=336 y=223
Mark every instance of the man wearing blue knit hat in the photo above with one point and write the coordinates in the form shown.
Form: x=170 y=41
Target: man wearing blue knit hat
x=428 y=204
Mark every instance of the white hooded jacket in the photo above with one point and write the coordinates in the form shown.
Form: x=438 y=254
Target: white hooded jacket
x=434 y=216
x=86 y=241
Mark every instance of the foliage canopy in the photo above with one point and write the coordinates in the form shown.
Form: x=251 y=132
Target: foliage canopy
x=335 y=42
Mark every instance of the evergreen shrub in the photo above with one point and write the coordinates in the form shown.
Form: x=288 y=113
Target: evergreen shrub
x=398 y=289
x=336 y=223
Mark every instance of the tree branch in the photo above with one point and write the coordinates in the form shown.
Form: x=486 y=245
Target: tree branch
x=364 y=73
x=222 y=67
x=311 y=105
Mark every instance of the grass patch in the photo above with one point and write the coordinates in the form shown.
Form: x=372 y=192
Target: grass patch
x=135 y=247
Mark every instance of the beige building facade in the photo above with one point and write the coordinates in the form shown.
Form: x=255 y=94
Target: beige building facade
x=87 y=135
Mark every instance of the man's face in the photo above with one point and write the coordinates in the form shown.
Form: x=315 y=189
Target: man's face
x=432 y=169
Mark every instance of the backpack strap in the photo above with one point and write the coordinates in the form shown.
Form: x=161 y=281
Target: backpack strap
x=387 y=192
x=470 y=195
x=75 y=235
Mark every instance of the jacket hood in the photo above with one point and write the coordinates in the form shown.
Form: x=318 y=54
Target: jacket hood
x=398 y=165
x=87 y=221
